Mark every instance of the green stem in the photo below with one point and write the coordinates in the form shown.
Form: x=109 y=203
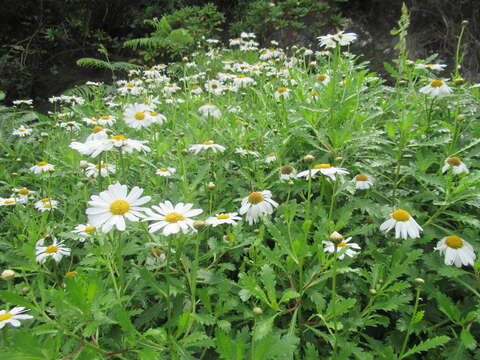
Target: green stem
x=409 y=329
x=334 y=300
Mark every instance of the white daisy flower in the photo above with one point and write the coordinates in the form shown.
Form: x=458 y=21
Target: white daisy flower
x=457 y=251
x=170 y=89
x=256 y=205
x=195 y=89
x=22 y=102
x=210 y=110
x=136 y=116
x=245 y=152
x=363 y=181
x=112 y=206
x=56 y=251
x=343 y=38
x=85 y=230
x=22 y=131
x=166 y=171
x=328 y=41
x=13 y=316
x=224 y=218
x=433 y=67
x=172 y=219
x=45 y=204
x=458 y=167
x=270 y=157
x=41 y=167
x=70 y=125
x=343 y=247
x=322 y=79
x=8 y=201
x=404 y=224
x=437 y=88
x=215 y=87
x=242 y=81
x=102 y=169
x=287 y=172
x=22 y=194
x=325 y=169
x=106 y=120
x=205 y=146
x=282 y=93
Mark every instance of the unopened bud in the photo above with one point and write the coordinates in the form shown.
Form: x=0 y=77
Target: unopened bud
x=70 y=274
x=156 y=251
x=18 y=159
x=199 y=224
x=256 y=231
x=25 y=289
x=459 y=81
x=141 y=166
x=309 y=158
x=44 y=134
x=174 y=151
x=185 y=151
x=290 y=182
x=461 y=117
x=419 y=281
x=14 y=174
x=211 y=185
x=335 y=236
x=372 y=291
x=257 y=310
x=7 y=274
x=465 y=22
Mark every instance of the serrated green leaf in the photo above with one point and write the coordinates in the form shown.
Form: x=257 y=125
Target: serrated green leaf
x=427 y=345
x=467 y=339
x=446 y=305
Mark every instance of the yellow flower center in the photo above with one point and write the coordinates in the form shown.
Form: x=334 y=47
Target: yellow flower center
x=255 y=198
x=42 y=163
x=208 y=142
x=454 y=161
x=45 y=200
x=139 y=116
x=401 y=215
x=89 y=228
x=130 y=85
x=51 y=249
x=153 y=113
x=454 y=242
x=47 y=206
x=321 y=77
x=322 y=166
x=314 y=94
x=223 y=217
x=163 y=169
x=282 y=90
x=286 y=170
x=101 y=166
x=436 y=83
x=271 y=155
x=119 y=138
x=71 y=274
x=9 y=202
x=24 y=191
x=361 y=177
x=119 y=207
x=263 y=52
x=97 y=128
x=194 y=87
x=241 y=76
x=174 y=217
x=341 y=244
x=105 y=117
x=5 y=316
x=22 y=130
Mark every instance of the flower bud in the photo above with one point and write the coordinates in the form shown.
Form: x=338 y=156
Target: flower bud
x=211 y=185
x=71 y=274
x=309 y=158
x=198 y=224
x=7 y=274
x=156 y=251
x=257 y=310
x=290 y=182
x=25 y=289
x=335 y=236
x=18 y=159
x=465 y=22
x=44 y=134
x=419 y=281
x=373 y=292
x=256 y=231
x=459 y=81
x=461 y=117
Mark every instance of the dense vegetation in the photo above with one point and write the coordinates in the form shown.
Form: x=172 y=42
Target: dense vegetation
x=244 y=203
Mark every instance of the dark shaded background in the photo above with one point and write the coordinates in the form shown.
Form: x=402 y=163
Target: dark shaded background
x=41 y=39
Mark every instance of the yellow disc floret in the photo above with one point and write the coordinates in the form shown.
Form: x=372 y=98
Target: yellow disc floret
x=361 y=177
x=119 y=207
x=89 y=229
x=436 y=83
x=140 y=115
x=223 y=217
x=454 y=242
x=5 y=316
x=42 y=163
x=51 y=249
x=401 y=215
x=174 y=217
x=454 y=161
x=23 y=191
x=255 y=198
x=208 y=143
x=322 y=166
